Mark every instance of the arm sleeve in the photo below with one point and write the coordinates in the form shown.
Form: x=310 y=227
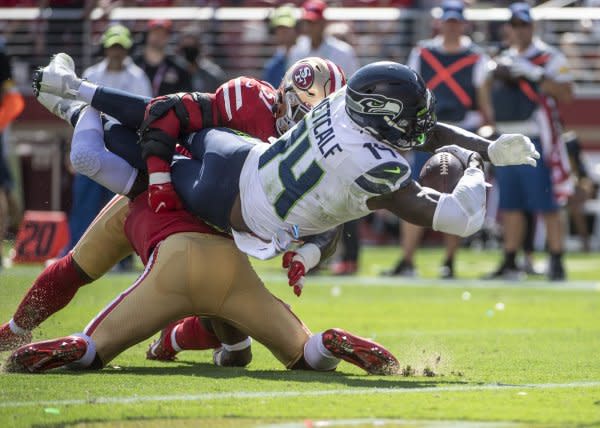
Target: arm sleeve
x=200 y=108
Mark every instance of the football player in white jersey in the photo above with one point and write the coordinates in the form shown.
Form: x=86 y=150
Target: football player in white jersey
x=338 y=164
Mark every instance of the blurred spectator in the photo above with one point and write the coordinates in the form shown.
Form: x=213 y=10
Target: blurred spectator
x=282 y=27
x=61 y=34
x=11 y=105
x=585 y=189
x=206 y=75
x=530 y=78
x=316 y=43
x=456 y=70
x=167 y=75
x=116 y=70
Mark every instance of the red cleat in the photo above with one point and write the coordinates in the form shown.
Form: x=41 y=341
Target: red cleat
x=49 y=354
x=10 y=341
x=369 y=356
x=162 y=349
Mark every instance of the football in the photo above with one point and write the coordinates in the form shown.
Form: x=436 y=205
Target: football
x=441 y=172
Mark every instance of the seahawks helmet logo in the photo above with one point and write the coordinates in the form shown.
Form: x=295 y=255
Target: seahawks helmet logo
x=375 y=104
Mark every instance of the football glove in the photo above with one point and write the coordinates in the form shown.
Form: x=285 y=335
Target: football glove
x=162 y=197
x=513 y=149
x=296 y=270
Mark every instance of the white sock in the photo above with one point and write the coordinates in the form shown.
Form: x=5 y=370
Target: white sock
x=317 y=356
x=238 y=346
x=174 y=343
x=90 y=353
x=86 y=91
x=16 y=329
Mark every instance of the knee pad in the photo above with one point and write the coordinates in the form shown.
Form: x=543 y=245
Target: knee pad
x=84 y=160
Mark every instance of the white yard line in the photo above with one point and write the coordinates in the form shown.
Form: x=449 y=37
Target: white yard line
x=368 y=281
x=287 y=394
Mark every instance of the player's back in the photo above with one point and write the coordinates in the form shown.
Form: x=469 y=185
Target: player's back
x=246 y=104
x=318 y=175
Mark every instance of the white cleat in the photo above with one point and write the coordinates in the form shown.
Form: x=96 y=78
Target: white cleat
x=57 y=78
x=61 y=107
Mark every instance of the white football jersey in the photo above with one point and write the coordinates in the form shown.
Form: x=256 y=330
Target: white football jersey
x=315 y=177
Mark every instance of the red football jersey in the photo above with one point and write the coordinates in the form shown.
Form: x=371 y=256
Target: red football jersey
x=246 y=105
x=145 y=229
x=243 y=104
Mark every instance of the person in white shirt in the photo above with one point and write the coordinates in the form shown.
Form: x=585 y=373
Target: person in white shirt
x=316 y=43
x=117 y=70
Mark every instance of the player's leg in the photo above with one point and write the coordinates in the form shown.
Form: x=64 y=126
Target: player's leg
x=58 y=79
x=213 y=175
x=254 y=310
x=156 y=298
x=103 y=244
x=89 y=156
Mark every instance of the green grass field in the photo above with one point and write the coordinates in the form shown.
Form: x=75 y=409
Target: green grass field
x=502 y=354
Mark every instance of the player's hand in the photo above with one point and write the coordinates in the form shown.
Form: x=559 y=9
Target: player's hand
x=162 y=197
x=522 y=67
x=295 y=265
x=513 y=149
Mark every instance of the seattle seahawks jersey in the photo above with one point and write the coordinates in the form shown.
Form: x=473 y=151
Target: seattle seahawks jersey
x=317 y=176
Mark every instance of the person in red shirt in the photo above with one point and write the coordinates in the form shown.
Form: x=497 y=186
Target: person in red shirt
x=243 y=103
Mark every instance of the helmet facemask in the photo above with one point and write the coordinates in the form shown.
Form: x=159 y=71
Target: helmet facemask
x=306 y=84
x=389 y=121
x=295 y=110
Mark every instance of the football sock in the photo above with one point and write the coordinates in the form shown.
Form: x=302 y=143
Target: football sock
x=51 y=291
x=86 y=91
x=317 y=356
x=191 y=334
x=126 y=108
x=510 y=259
x=238 y=346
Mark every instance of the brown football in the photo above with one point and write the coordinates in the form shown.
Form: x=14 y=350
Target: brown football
x=441 y=172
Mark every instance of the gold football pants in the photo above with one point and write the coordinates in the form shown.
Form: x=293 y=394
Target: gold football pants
x=198 y=274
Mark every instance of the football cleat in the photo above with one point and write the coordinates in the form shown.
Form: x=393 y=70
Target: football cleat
x=10 y=340
x=162 y=349
x=224 y=358
x=61 y=107
x=42 y=356
x=57 y=78
x=369 y=356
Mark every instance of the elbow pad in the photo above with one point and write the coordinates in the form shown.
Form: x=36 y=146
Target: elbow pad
x=462 y=212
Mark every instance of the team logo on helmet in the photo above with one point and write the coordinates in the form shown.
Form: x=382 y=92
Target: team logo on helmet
x=303 y=76
x=375 y=104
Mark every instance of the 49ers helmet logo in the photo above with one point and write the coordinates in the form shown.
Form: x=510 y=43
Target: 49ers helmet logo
x=303 y=76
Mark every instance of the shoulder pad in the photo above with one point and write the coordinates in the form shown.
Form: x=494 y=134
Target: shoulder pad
x=383 y=178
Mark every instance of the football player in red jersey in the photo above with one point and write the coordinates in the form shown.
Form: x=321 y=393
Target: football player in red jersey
x=243 y=103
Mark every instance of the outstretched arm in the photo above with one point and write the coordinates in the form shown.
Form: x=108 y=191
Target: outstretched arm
x=459 y=213
x=508 y=149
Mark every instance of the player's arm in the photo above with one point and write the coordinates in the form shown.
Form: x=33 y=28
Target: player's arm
x=507 y=149
x=316 y=248
x=167 y=118
x=461 y=212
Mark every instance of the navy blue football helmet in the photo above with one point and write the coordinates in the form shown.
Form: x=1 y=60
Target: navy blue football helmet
x=392 y=103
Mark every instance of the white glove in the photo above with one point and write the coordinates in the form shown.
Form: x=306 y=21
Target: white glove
x=460 y=152
x=522 y=67
x=513 y=149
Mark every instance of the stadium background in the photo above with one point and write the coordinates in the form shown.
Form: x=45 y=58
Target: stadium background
x=235 y=35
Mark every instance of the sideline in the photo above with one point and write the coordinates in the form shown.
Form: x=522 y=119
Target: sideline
x=289 y=394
